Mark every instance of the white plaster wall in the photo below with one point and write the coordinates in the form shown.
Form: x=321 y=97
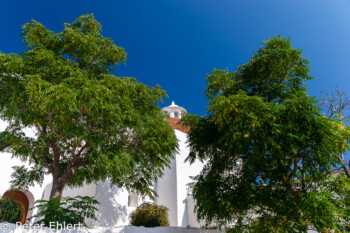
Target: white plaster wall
x=85 y=190
x=113 y=209
x=172 y=188
x=185 y=171
x=166 y=188
x=6 y=164
x=192 y=217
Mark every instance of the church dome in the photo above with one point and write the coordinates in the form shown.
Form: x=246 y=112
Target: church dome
x=175 y=111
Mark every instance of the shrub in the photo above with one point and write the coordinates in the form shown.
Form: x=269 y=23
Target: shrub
x=68 y=210
x=150 y=215
x=10 y=210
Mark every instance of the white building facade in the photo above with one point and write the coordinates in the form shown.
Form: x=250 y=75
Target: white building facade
x=116 y=204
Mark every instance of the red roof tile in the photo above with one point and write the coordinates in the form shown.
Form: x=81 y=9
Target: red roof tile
x=174 y=123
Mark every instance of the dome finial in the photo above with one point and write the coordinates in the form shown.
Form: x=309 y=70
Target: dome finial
x=173 y=103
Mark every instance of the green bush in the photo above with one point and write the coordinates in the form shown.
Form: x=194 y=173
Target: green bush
x=10 y=210
x=150 y=215
x=68 y=210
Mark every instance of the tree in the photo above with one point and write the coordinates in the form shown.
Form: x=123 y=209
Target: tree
x=337 y=106
x=89 y=124
x=269 y=150
x=3 y=144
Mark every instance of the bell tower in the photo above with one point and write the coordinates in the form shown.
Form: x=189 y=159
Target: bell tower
x=175 y=111
x=172 y=187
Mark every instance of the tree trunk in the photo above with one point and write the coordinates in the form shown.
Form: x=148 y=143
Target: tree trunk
x=57 y=188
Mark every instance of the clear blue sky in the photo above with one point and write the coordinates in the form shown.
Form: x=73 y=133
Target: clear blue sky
x=176 y=43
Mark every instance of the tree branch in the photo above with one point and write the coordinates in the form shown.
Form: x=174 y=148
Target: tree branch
x=4 y=147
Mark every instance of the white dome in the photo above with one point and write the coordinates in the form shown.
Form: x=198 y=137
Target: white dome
x=175 y=111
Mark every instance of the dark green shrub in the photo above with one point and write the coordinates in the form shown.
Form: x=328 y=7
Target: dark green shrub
x=68 y=210
x=10 y=210
x=150 y=215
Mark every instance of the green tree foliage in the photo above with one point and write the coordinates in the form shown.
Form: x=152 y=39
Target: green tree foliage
x=89 y=124
x=336 y=106
x=269 y=150
x=3 y=144
x=65 y=210
x=10 y=210
x=150 y=215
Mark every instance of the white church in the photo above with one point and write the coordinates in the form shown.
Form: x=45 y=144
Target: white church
x=116 y=204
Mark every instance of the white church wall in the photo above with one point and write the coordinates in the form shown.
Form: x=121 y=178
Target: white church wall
x=6 y=170
x=85 y=190
x=47 y=191
x=114 y=209
x=166 y=188
x=5 y=173
x=185 y=171
x=192 y=217
x=172 y=188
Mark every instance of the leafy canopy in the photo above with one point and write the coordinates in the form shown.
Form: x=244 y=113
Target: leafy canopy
x=269 y=150
x=89 y=124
